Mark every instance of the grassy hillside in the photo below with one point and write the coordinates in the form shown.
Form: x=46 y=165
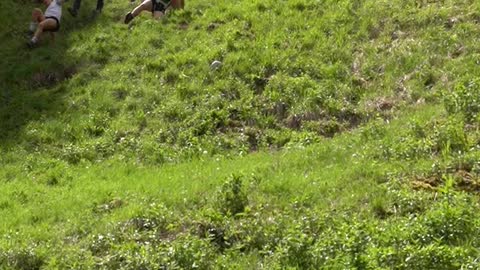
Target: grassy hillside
x=336 y=134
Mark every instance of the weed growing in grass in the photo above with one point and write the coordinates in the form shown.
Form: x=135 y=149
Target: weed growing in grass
x=21 y=259
x=464 y=99
x=233 y=198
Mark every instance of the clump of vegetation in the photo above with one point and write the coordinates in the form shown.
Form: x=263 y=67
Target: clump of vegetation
x=233 y=198
x=21 y=259
x=464 y=100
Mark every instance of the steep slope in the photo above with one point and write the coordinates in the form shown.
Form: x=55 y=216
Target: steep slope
x=292 y=72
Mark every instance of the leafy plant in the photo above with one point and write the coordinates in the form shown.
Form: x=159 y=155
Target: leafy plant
x=233 y=198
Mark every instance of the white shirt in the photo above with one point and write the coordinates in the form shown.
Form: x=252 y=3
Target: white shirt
x=54 y=9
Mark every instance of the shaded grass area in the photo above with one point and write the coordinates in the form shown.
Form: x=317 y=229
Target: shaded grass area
x=33 y=81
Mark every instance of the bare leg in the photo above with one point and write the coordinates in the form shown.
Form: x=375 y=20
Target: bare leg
x=74 y=9
x=37 y=15
x=144 y=6
x=99 y=5
x=47 y=24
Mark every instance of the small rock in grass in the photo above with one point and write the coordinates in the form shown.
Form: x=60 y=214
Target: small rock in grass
x=215 y=65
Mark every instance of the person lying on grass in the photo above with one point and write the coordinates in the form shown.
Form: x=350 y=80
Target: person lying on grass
x=48 y=22
x=157 y=7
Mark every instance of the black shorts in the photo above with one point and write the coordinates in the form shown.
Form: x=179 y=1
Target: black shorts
x=159 y=6
x=57 y=27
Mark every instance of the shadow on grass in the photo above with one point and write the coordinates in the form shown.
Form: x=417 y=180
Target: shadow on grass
x=31 y=80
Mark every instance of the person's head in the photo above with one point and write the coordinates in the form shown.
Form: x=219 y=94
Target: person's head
x=47 y=2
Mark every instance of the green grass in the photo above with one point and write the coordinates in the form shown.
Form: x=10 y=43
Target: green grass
x=336 y=135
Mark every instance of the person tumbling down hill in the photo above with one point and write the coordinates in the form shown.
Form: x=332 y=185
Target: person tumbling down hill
x=158 y=8
x=48 y=22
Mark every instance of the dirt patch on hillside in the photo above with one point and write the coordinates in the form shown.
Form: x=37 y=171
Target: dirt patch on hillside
x=51 y=78
x=463 y=180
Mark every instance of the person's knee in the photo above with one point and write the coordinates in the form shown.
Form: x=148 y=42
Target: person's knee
x=36 y=13
x=41 y=25
x=145 y=6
